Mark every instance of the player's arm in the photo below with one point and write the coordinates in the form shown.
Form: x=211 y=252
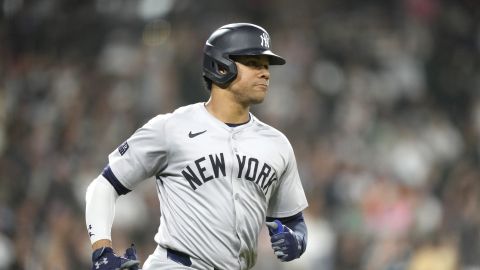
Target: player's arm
x=138 y=158
x=101 y=197
x=288 y=236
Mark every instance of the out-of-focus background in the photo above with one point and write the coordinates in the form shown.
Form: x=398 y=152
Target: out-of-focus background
x=380 y=100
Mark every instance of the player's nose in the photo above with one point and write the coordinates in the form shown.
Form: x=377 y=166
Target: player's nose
x=265 y=73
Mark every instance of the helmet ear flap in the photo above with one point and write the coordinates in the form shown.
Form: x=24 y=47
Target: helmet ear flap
x=217 y=68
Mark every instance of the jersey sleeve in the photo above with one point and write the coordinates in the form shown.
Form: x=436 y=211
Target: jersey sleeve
x=141 y=156
x=289 y=197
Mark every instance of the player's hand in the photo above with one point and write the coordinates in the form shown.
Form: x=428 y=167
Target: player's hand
x=286 y=244
x=105 y=259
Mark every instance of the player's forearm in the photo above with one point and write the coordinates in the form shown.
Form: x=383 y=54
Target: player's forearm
x=298 y=225
x=100 y=211
x=300 y=228
x=101 y=243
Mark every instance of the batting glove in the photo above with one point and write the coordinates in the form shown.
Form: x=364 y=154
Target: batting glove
x=287 y=245
x=105 y=259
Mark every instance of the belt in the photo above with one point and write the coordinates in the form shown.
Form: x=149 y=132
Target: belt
x=180 y=257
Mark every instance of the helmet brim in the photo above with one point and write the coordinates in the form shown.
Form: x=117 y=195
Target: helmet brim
x=273 y=59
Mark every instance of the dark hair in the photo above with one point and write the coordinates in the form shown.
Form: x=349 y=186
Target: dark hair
x=207 y=83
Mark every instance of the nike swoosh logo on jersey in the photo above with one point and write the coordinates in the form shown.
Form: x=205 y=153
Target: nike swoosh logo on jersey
x=193 y=135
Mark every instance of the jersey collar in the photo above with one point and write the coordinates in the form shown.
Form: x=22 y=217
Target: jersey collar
x=223 y=125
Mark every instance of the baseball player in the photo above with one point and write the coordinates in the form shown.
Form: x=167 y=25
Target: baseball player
x=220 y=173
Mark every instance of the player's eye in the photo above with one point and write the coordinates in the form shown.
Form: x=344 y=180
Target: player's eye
x=256 y=64
x=251 y=62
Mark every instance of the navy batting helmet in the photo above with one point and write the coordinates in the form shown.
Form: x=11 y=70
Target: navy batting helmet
x=234 y=39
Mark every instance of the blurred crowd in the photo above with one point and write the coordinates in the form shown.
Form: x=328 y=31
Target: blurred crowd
x=380 y=100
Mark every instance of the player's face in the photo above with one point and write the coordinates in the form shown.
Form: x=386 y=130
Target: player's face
x=251 y=84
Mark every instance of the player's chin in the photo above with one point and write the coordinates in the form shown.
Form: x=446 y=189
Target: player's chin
x=257 y=99
x=259 y=96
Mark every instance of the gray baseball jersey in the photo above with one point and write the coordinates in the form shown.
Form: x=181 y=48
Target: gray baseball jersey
x=215 y=183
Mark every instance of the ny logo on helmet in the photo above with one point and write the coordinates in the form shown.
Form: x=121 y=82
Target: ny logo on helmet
x=265 y=40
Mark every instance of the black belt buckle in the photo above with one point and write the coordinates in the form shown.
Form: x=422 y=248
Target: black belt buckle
x=179 y=257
